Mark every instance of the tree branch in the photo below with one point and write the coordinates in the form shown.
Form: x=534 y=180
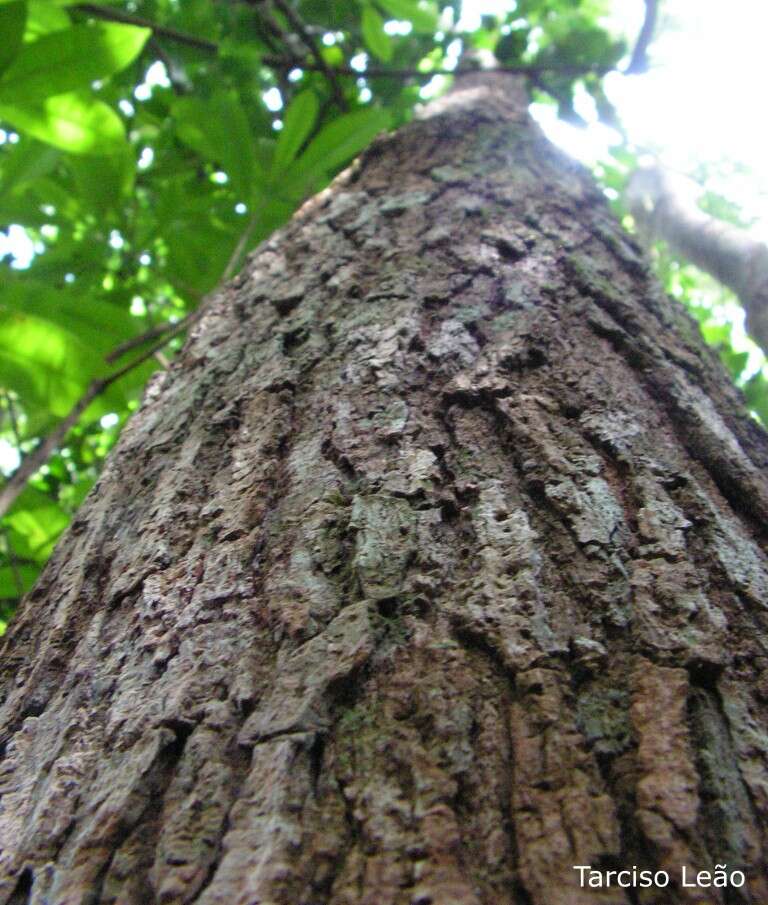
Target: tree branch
x=287 y=10
x=665 y=206
x=639 y=62
x=136 y=341
x=109 y=14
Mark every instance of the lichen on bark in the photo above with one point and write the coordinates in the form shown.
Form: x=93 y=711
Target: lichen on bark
x=434 y=566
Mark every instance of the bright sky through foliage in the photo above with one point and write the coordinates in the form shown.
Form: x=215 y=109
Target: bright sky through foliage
x=698 y=104
x=703 y=101
x=695 y=111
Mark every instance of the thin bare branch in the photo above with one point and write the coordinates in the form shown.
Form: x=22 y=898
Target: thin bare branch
x=110 y=14
x=233 y=265
x=136 y=341
x=293 y=18
x=639 y=62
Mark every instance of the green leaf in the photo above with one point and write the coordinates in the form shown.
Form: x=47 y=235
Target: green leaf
x=270 y=213
x=36 y=522
x=335 y=144
x=49 y=367
x=44 y=17
x=297 y=124
x=756 y=394
x=99 y=324
x=67 y=60
x=24 y=211
x=736 y=362
x=246 y=52
x=218 y=129
x=72 y=495
x=24 y=162
x=716 y=334
x=103 y=182
x=422 y=15
x=72 y=122
x=198 y=253
x=376 y=38
x=333 y=55
x=13 y=18
x=17 y=581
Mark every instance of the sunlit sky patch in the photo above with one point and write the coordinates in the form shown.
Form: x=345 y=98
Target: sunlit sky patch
x=16 y=243
x=9 y=456
x=156 y=75
x=697 y=107
x=698 y=104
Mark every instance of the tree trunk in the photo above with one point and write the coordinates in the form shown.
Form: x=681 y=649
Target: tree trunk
x=432 y=568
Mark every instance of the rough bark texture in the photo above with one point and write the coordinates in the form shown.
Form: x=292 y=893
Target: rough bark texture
x=433 y=567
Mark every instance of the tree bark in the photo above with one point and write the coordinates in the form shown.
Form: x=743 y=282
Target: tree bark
x=433 y=567
x=666 y=208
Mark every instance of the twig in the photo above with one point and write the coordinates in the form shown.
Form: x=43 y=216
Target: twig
x=293 y=18
x=152 y=333
x=40 y=455
x=233 y=264
x=639 y=62
x=115 y=15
